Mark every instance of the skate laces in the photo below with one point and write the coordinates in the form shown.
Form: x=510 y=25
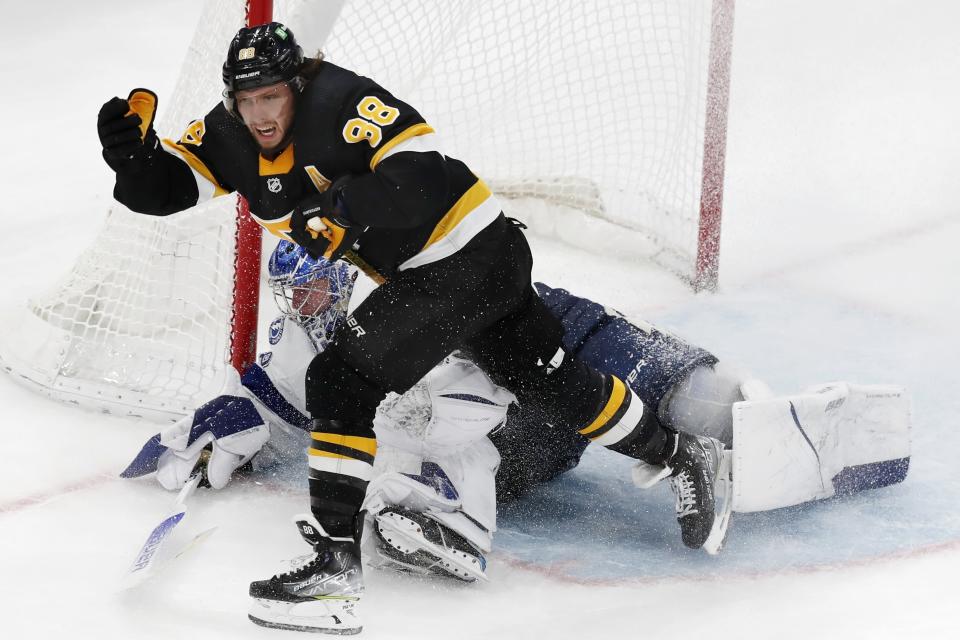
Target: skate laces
x=685 y=492
x=297 y=565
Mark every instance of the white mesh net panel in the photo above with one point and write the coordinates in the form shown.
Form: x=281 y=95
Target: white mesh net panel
x=597 y=106
x=586 y=117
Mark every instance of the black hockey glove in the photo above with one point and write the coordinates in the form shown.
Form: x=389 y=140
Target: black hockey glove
x=318 y=224
x=126 y=130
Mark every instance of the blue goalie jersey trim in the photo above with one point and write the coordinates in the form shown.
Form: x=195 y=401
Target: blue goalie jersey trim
x=259 y=384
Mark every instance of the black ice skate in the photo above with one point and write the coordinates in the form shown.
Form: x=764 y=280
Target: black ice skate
x=699 y=479
x=699 y=474
x=317 y=592
x=416 y=542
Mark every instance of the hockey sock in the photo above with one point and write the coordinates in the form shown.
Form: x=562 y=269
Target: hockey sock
x=341 y=465
x=624 y=425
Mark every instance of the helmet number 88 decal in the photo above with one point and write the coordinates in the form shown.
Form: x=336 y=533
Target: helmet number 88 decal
x=373 y=115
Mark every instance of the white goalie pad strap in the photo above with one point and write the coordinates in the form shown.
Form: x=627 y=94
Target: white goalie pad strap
x=399 y=489
x=834 y=439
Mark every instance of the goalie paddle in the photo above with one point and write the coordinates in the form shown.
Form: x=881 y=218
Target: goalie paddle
x=147 y=563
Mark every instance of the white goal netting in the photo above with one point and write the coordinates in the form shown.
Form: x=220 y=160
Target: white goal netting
x=587 y=118
x=597 y=106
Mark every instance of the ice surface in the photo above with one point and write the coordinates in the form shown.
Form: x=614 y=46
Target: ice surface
x=839 y=262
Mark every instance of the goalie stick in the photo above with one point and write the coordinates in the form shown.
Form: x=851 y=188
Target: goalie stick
x=147 y=562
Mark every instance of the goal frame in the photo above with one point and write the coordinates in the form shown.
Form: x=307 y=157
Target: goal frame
x=714 y=147
x=249 y=249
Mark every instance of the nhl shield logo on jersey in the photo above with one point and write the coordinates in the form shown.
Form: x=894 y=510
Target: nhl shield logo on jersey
x=273 y=184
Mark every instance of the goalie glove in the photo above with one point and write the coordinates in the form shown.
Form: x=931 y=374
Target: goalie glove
x=230 y=426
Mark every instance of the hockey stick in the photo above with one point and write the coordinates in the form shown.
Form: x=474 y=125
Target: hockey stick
x=146 y=563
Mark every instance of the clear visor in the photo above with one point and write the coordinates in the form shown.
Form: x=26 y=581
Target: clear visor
x=265 y=103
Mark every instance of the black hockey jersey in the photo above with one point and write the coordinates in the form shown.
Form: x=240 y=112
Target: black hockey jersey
x=417 y=204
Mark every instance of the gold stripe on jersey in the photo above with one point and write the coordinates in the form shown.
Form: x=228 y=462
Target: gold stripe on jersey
x=410 y=132
x=360 y=443
x=197 y=165
x=469 y=201
x=617 y=395
x=320 y=181
x=471 y=214
x=280 y=165
x=279 y=227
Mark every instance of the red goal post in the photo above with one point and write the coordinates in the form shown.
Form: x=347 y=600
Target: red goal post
x=249 y=243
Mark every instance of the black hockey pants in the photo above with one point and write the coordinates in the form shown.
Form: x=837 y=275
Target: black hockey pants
x=481 y=300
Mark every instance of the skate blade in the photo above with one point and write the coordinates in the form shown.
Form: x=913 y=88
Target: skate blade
x=334 y=617
x=723 y=495
x=349 y=631
x=406 y=536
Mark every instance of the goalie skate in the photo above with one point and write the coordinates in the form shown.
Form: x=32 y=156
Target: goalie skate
x=416 y=542
x=318 y=592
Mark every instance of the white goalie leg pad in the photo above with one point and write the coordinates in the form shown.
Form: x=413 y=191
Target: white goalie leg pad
x=833 y=439
x=467 y=504
x=473 y=472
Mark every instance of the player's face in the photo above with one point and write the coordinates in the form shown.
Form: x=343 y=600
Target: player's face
x=312 y=299
x=267 y=112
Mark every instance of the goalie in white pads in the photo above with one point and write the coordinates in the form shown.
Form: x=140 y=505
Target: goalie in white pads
x=432 y=503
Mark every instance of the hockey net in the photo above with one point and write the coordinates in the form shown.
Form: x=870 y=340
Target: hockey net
x=597 y=123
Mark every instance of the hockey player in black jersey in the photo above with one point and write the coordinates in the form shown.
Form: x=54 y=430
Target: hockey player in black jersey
x=338 y=164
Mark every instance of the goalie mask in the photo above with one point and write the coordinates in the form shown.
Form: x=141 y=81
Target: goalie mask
x=259 y=57
x=314 y=293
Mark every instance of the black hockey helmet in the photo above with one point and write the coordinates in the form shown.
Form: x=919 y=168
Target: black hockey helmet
x=260 y=56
